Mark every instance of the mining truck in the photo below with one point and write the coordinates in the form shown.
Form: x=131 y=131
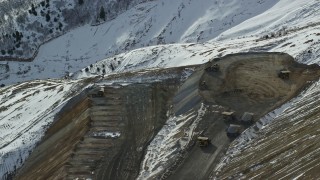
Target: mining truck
x=203 y=85
x=100 y=93
x=247 y=118
x=229 y=116
x=97 y=92
x=213 y=68
x=284 y=74
x=234 y=130
x=203 y=141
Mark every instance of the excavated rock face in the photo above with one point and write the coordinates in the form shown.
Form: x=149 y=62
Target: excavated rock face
x=107 y=137
x=102 y=137
x=250 y=81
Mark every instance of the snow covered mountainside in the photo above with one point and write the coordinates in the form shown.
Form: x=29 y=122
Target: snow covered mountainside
x=155 y=34
x=25 y=25
x=26 y=111
x=219 y=27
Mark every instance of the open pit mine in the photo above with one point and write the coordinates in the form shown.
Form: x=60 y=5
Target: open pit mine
x=176 y=123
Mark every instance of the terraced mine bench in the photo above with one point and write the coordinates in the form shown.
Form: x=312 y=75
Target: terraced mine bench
x=139 y=110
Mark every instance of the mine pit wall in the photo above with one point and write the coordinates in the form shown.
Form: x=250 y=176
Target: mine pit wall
x=146 y=108
x=188 y=97
x=143 y=113
x=141 y=110
x=47 y=159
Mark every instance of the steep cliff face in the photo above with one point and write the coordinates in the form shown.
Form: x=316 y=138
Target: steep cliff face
x=102 y=137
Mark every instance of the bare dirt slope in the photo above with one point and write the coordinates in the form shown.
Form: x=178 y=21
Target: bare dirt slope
x=250 y=82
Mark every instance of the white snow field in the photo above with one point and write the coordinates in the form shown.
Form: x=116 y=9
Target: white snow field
x=234 y=26
x=155 y=34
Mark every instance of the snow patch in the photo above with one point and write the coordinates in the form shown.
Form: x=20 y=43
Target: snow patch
x=172 y=139
x=106 y=134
